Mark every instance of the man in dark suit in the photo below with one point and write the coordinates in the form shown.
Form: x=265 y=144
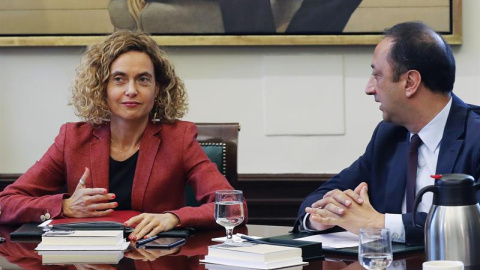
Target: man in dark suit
x=413 y=72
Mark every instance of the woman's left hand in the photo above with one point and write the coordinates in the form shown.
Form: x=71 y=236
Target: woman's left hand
x=149 y=225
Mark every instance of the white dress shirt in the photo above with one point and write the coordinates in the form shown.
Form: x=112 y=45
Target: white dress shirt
x=431 y=136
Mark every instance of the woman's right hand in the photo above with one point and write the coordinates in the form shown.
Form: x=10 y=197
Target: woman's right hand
x=88 y=202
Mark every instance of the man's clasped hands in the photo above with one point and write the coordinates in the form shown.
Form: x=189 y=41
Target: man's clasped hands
x=349 y=209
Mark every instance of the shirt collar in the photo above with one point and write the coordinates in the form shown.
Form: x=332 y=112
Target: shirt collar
x=432 y=133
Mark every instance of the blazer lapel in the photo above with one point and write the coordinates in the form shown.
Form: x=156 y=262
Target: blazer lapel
x=397 y=179
x=148 y=151
x=99 y=157
x=452 y=139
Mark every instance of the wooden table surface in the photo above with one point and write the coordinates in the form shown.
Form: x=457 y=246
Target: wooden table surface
x=21 y=254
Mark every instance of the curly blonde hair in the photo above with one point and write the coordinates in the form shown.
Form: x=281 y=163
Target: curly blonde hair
x=89 y=93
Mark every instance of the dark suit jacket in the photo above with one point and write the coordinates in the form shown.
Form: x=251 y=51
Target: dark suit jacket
x=247 y=16
x=383 y=165
x=322 y=16
x=169 y=158
x=313 y=16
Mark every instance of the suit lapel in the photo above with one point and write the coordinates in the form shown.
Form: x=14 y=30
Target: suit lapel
x=452 y=140
x=146 y=158
x=397 y=179
x=99 y=156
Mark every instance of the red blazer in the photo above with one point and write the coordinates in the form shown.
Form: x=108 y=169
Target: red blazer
x=169 y=158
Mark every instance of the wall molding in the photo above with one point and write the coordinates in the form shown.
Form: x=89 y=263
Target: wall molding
x=322 y=177
x=241 y=177
x=9 y=176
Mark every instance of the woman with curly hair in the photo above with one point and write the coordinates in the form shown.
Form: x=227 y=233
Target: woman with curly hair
x=130 y=152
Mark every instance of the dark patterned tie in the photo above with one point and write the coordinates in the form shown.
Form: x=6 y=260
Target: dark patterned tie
x=415 y=143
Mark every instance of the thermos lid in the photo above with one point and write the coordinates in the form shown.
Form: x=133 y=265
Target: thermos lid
x=455 y=189
x=455 y=180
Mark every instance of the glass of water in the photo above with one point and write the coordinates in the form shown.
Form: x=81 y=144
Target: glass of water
x=229 y=210
x=375 y=248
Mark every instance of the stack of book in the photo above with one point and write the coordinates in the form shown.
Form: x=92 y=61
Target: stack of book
x=83 y=240
x=81 y=256
x=210 y=266
x=259 y=256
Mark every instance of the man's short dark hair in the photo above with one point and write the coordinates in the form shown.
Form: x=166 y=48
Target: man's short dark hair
x=418 y=47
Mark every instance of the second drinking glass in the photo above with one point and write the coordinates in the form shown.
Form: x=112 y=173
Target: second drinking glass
x=229 y=210
x=375 y=248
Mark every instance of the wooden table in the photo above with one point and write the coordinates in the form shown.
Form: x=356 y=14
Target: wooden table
x=21 y=255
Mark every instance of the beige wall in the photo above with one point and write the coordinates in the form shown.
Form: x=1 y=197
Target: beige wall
x=302 y=109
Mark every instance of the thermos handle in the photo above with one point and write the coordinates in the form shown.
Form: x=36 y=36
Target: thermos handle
x=418 y=199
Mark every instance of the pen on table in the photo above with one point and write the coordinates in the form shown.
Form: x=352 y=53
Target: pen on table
x=147 y=240
x=250 y=239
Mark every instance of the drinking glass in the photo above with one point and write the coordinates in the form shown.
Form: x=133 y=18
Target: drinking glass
x=375 y=248
x=229 y=210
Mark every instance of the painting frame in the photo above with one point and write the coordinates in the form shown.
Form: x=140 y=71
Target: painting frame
x=454 y=37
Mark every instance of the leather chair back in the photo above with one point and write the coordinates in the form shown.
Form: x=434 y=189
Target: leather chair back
x=219 y=141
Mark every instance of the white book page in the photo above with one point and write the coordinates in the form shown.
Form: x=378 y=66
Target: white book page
x=122 y=246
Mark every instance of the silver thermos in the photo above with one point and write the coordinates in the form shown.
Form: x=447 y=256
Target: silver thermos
x=452 y=228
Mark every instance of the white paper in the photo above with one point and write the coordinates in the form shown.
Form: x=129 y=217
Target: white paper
x=45 y=223
x=333 y=240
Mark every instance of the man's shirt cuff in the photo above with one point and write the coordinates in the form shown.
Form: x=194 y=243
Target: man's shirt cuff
x=398 y=265
x=304 y=224
x=394 y=223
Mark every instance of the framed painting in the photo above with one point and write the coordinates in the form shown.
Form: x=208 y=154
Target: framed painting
x=221 y=22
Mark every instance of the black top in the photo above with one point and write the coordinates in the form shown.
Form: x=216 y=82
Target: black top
x=121 y=181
